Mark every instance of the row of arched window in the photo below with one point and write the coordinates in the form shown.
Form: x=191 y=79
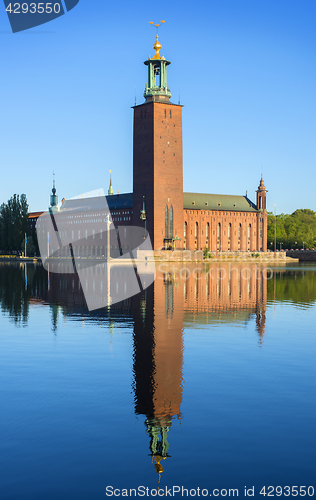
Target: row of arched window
x=218 y=234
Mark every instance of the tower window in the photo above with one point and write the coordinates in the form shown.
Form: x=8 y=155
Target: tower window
x=171 y=222
x=170 y=114
x=165 y=114
x=166 y=222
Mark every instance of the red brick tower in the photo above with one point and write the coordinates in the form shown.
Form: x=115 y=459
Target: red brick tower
x=157 y=158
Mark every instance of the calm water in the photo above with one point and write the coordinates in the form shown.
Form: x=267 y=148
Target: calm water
x=205 y=380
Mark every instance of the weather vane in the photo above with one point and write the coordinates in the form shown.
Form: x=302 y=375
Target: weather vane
x=157 y=25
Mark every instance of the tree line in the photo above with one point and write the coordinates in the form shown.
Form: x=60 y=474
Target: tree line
x=14 y=225
x=296 y=230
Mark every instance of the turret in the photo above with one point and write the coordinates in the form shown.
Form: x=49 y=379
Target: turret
x=156 y=87
x=53 y=196
x=261 y=196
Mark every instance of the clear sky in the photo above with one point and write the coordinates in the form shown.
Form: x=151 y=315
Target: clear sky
x=247 y=77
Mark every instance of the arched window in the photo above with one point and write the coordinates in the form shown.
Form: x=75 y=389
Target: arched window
x=196 y=235
x=171 y=222
x=166 y=222
x=229 y=232
x=185 y=231
x=219 y=236
x=239 y=236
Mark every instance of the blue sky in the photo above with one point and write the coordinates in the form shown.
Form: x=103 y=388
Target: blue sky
x=247 y=77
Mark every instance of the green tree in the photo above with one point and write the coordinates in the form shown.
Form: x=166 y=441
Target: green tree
x=293 y=230
x=13 y=223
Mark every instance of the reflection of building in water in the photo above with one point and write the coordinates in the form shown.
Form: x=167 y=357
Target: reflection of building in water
x=158 y=360
x=225 y=293
x=178 y=298
x=219 y=293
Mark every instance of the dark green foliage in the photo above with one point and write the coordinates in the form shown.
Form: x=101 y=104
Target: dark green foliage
x=298 y=287
x=293 y=230
x=18 y=284
x=13 y=223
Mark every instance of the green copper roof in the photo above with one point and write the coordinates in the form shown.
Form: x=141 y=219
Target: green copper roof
x=201 y=201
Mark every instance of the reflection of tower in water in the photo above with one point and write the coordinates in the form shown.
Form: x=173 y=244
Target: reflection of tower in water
x=219 y=293
x=158 y=359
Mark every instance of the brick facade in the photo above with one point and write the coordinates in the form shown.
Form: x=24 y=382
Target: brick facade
x=157 y=169
x=225 y=230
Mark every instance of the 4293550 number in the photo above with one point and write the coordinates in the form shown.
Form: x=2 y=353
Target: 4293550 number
x=293 y=491
x=34 y=8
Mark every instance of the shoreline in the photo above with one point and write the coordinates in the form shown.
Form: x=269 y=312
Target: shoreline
x=162 y=259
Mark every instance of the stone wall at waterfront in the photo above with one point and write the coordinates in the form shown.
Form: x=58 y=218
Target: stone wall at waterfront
x=198 y=255
x=302 y=255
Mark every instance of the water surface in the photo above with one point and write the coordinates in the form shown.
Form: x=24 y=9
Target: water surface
x=206 y=379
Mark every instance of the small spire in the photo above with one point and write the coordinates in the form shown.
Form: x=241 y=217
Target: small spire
x=261 y=185
x=110 y=191
x=53 y=196
x=54 y=187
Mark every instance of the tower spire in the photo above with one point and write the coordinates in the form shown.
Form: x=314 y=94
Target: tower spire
x=261 y=195
x=54 y=197
x=110 y=191
x=156 y=87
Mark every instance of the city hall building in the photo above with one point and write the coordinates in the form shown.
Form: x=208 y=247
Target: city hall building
x=174 y=219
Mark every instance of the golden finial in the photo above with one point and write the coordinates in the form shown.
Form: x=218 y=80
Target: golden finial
x=157 y=46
